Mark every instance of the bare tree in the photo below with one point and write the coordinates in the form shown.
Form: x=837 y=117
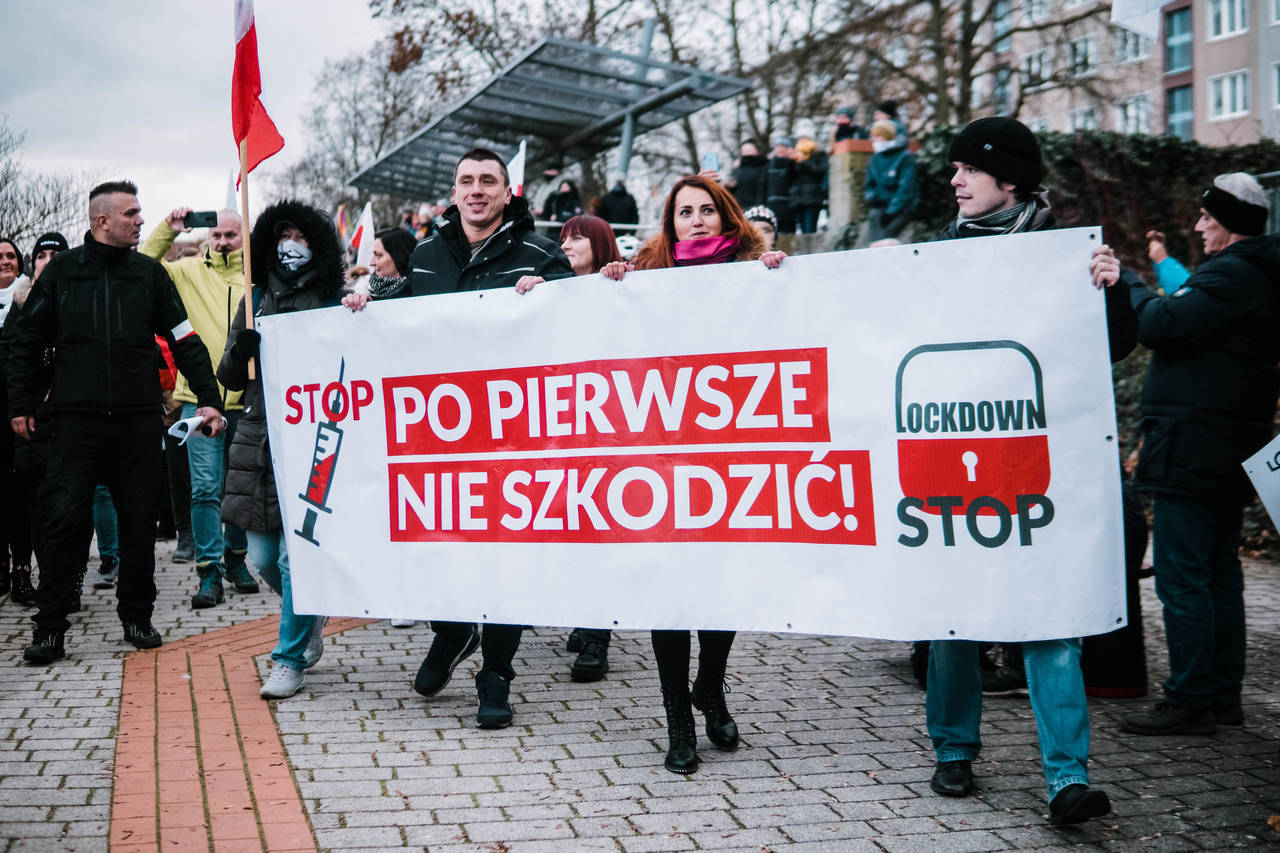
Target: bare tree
x=32 y=202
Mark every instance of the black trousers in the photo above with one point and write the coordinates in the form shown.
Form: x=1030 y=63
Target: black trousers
x=120 y=452
x=498 y=643
x=671 y=651
x=30 y=461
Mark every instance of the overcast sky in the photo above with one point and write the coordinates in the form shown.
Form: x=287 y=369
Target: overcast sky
x=124 y=88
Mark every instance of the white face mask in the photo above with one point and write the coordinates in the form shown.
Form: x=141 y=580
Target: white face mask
x=878 y=145
x=293 y=254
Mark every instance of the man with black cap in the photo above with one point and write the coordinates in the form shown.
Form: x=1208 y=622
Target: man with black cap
x=998 y=170
x=1207 y=405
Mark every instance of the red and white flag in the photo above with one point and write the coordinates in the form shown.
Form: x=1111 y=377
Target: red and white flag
x=362 y=240
x=249 y=120
x=515 y=171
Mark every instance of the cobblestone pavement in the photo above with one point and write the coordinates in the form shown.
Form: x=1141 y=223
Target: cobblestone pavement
x=834 y=754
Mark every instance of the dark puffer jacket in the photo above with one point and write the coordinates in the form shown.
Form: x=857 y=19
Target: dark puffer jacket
x=891 y=180
x=443 y=263
x=750 y=179
x=1211 y=388
x=250 y=499
x=809 y=189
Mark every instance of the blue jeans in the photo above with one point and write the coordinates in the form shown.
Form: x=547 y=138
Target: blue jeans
x=207 y=461
x=268 y=555
x=1201 y=585
x=104 y=523
x=953 y=706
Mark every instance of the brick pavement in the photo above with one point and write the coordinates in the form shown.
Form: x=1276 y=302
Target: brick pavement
x=834 y=755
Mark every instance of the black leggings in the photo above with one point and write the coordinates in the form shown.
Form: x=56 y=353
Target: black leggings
x=671 y=650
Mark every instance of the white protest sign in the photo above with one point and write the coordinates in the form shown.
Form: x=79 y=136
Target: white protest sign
x=1263 y=469
x=914 y=442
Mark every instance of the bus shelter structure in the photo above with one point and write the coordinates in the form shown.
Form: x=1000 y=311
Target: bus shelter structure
x=568 y=100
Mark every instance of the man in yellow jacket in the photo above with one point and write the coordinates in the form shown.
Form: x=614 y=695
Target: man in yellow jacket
x=211 y=285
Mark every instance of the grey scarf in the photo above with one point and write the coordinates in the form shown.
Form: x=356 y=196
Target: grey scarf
x=1026 y=216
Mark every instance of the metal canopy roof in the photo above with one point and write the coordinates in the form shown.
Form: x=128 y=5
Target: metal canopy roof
x=567 y=99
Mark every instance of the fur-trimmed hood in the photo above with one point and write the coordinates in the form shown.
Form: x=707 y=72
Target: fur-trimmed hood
x=322 y=238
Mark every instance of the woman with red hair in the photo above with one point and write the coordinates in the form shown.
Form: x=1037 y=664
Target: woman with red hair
x=588 y=242
x=701 y=224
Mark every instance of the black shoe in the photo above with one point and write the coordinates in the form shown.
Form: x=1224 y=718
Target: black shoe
x=107 y=572
x=1167 y=718
x=46 y=647
x=238 y=573
x=1228 y=714
x=22 y=592
x=952 y=779
x=185 y=550
x=142 y=634
x=210 y=592
x=1078 y=803
x=592 y=663
x=708 y=697
x=492 y=690
x=682 y=738
x=1004 y=681
x=574 y=643
x=437 y=667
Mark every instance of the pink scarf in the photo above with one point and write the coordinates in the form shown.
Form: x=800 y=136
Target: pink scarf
x=704 y=250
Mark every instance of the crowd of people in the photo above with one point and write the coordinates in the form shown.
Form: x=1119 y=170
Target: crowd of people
x=97 y=331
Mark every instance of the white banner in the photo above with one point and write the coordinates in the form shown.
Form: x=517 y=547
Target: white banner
x=912 y=442
x=1263 y=469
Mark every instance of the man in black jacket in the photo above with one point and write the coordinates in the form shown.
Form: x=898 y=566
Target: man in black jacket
x=1207 y=405
x=100 y=307
x=485 y=240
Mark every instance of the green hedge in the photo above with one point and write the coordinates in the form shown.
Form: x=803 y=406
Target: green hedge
x=1129 y=185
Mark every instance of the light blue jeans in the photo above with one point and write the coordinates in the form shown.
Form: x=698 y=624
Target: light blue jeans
x=268 y=555
x=953 y=706
x=105 y=524
x=207 y=460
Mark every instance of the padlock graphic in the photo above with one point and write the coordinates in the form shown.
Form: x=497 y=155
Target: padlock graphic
x=971 y=423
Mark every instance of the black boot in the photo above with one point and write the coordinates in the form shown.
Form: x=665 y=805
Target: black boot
x=708 y=697
x=682 y=738
x=23 y=591
x=210 y=591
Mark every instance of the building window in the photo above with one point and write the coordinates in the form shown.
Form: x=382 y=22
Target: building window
x=1133 y=114
x=1229 y=95
x=1228 y=18
x=1179 y=113
x=1131 y=46
x=1084 y=119
x=1000 y=92
x=1001 y=23
x=1275 y=80
x=1037 y=68
x=1038 y=11
x=1177 y=40
x=1084 y=56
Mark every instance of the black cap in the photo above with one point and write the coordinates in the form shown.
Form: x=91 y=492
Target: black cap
x=889 y=108
x=1002 y=147
x=49 y=240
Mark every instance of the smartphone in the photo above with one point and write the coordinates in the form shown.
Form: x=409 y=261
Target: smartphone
x=711 y=160
x=200 y=219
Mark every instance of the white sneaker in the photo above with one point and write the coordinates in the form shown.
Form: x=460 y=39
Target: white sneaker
x=283 y=682
x=315 y=646
x=403 y=623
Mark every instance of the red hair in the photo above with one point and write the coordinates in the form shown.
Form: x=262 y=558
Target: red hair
x=604 y=246
x=657 y=253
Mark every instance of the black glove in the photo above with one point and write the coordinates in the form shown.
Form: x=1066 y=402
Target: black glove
x=246 y=346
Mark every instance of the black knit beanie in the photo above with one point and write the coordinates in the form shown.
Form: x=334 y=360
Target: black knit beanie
x=49 y=240
x=1002 y=147
x=1235 y=215
x=889 y=108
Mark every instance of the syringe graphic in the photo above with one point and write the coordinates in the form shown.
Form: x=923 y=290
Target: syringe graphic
x=324 y=459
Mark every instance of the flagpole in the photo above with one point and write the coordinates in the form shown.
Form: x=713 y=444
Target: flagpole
x=244 y=230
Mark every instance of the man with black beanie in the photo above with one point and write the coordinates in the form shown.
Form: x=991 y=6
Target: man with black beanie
x=1207 y=405
x=998 y=170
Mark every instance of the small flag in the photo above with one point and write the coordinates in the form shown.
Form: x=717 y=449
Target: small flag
x=362 y=240
x=515 y=169
x=340 y=218
x=249 y=120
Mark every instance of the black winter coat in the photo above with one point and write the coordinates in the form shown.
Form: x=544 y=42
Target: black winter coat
x=779 y=179
x=442 y=263
x=619 y=207
x=750 y=181
x=249 y=493
x=809 y=189
x=1211 y=388
x=100 y=308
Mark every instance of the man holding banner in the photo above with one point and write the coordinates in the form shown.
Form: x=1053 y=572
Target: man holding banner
x=1207 y=405
x=487 y=241
x=997 y=188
